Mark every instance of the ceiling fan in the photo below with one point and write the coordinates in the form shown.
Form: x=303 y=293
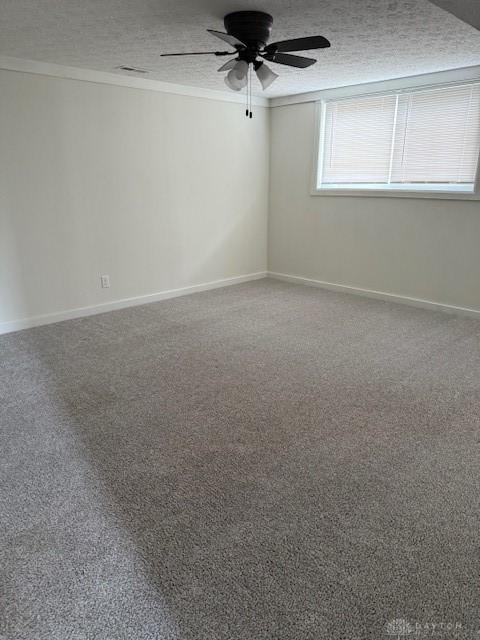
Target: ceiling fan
x=248 y=33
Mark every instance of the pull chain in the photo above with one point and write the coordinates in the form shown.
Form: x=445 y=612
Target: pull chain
x=250 y=88
x=248 y=111
x=247 y=105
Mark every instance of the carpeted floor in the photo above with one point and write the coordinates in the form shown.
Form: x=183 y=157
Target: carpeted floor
x=265 y=461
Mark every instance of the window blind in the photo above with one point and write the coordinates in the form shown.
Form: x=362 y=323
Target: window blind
x=419 y=139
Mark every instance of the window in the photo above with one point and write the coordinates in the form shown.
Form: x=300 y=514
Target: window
x=413 y=140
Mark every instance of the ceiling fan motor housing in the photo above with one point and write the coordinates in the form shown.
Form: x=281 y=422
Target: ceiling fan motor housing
x=251 y=27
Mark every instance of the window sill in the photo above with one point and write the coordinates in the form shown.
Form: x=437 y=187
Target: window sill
x=400 y=193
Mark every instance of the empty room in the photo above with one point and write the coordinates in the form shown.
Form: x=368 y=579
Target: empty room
x=239 y=319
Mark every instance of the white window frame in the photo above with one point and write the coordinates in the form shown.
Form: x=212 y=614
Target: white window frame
x=320 y=106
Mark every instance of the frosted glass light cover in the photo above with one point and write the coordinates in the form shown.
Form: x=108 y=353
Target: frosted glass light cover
x=236 y=79
x=265 y=75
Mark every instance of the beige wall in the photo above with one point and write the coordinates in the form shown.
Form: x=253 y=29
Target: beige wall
x=421 y=248
x=162 y=191
x=156 y=190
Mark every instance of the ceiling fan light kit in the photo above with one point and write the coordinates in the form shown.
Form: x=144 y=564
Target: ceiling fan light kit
x=265 y=75
x=237 y=77
x=248 y=32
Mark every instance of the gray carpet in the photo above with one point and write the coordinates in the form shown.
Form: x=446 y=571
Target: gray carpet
x=265 y=461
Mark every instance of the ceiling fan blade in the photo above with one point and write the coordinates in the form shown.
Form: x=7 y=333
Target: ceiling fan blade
x=228 y=65
x=200 y=53
x=299 y=44
x=290 y=61
x=226 y=37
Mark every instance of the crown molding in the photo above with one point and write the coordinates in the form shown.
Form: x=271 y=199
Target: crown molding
x=102 y=77
x=451 y=75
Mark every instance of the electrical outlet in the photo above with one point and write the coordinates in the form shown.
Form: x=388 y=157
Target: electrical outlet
x=105 y=280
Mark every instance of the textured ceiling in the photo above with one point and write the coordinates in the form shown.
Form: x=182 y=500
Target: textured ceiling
x=371 y=39
x=467 y=10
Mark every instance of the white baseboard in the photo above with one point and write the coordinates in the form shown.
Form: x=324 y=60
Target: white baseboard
x=379 y=295
x=80 y=312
